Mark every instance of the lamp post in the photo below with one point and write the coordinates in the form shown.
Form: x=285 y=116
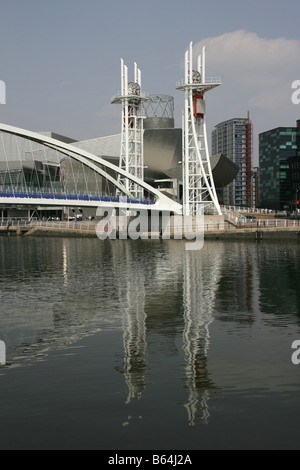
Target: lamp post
x=74 y=215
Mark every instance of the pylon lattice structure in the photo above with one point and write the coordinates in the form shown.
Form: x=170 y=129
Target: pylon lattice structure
x=199 y=193
x=132 y=153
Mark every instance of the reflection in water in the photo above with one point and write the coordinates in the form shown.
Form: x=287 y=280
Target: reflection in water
x=131 y=292
x=198 y=277
x=53 y=293
x=201 y=275
x=65 y=262
x=56 y=291
x=279 y=288
x=239 y=279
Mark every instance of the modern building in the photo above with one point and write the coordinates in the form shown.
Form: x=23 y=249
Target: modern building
x=255 y=187
x=31 y=169
x=233 y=138
x=162 y=150
x=279 y=157
x=295 y=181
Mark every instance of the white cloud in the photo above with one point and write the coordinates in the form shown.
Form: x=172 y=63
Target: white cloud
x=256 y=73
x=252 y=53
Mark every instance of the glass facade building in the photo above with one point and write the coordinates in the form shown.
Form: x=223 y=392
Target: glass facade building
x=34 y=172
x=48 y=175
x=279 y=153
x=28 y=169
x=233 y=138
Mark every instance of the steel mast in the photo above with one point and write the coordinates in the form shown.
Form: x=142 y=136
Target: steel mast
x=199 y=191
x=132 y=153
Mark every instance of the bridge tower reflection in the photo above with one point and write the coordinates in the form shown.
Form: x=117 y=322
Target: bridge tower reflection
x=131 y=292
x=201 y=274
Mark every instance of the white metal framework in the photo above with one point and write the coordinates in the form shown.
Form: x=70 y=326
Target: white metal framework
x=161 y=106
x=132 y=154
x=199 y=191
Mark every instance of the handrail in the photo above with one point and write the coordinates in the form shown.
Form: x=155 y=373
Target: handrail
x=208 y=227
x=69 y=196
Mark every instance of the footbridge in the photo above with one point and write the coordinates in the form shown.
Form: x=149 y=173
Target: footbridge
x=37 y=170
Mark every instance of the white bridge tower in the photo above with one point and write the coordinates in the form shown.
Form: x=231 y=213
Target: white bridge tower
x=132 y=154
x=199 y=193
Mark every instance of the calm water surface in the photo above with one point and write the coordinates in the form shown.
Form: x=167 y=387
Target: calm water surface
x=142 y=345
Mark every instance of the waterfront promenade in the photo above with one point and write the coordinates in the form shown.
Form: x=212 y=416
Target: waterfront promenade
x=215 y=227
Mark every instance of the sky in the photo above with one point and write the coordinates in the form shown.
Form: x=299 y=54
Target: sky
x=60 y=60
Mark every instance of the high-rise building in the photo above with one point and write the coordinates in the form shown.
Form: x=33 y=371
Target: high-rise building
x=279 y=157
x=233 y=138
x=255 y=186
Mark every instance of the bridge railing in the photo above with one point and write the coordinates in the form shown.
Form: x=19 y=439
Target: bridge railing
x=209 y=227
x=17 y=221
x=268 y=223
x=68 y=195
x=256 y=224
x=251 y=210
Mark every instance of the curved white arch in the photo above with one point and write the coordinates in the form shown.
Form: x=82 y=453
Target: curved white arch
x=89 y=159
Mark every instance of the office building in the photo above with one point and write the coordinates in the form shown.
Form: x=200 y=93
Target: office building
x=233 y=138
x=279 y=156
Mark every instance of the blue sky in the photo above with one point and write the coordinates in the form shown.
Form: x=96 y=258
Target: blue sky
x=60 y=59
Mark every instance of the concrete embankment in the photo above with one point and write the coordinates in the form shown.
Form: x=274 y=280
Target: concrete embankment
x=60 y=232
x=54 y=231
x=255 y=234
x=230 y=233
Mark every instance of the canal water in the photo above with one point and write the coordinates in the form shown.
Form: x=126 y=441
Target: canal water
x=124 y=344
